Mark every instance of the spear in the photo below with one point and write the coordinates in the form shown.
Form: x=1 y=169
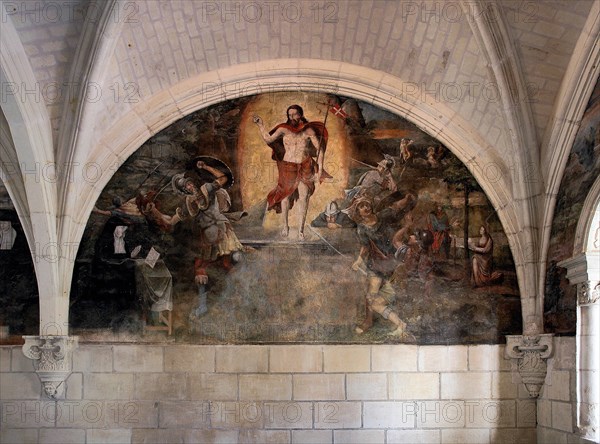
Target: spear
x=146 y=178
x=362 y=163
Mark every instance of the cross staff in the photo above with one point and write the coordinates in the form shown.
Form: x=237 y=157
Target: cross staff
x=321 y=136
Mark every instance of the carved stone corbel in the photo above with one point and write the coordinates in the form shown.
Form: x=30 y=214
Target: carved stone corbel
x=52 y=356
x=531 y=351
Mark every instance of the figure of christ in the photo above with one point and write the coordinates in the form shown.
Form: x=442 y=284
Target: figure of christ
x=295 y=144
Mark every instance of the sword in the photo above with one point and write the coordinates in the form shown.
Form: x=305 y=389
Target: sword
x=362 y=163
x=328 y=244
x=335 y=249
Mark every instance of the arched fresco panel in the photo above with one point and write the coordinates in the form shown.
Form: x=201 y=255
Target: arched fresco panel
x=19 y=312
x=189 y=240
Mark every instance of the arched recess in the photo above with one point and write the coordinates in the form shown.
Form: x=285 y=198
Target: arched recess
x=583 y=270
x=569 y=108
x=32 y=185
x=371 y=86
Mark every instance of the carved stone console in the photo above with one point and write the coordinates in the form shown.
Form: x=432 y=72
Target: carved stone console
x=531 y=351
x=52 y=356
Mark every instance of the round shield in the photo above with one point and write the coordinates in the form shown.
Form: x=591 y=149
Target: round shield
x=216 y=169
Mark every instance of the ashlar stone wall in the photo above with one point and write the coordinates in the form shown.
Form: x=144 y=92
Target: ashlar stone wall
x=557 y=405
x=279 y=394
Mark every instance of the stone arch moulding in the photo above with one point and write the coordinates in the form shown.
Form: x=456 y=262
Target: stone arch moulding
x=149 y=117
x=584 y=234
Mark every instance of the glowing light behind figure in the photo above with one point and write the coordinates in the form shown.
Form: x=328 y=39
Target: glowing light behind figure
x=259 y=172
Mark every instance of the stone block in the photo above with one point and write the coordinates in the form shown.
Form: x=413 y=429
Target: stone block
x=93 y=359
x=210 y=436
x=527 y=413
x=242 y=359
x=514 y=436
x=435 y=358
x=548 y=29
x=522 y=390
x=470 y=385
x=189 y=358
x=414 y=436
x=4 y=359
x=21 y=436
x=19 y=362
x=487 y=414
x=288 y=415
x=20 y=386
x=265 y=387
x=466 y=436
x=550 y=436
x=62 y=436
x=74 y=386
x=138 y=358
x=411 y=386
x=440 y=414
x=113 y=436
x=558 y=386
x=216 y=387
x=185 y=414
x=158 y=387
x=189 y=436
x=565 y=354
x=238 y=415
x=106 y=414
x=562 y=416
x=296 y=359
x=319 y=387
x=346 y=358
x=359 y=436
x=388 y=414
x=27 y=414
x=264 y=436
x=337 y=415
x=503 y=386
x=394 y=358
x=312 y=437
x=488 y=357
x=157 y=436
x=366 y=386
x=108 y=386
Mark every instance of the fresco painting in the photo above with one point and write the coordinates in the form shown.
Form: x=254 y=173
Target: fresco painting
x=560 y=301
x=294 y=217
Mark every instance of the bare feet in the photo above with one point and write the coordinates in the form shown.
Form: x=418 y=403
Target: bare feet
x=285 y=231
x=301 y=235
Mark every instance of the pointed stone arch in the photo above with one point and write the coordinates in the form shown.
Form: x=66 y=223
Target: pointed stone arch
x=371 y=86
